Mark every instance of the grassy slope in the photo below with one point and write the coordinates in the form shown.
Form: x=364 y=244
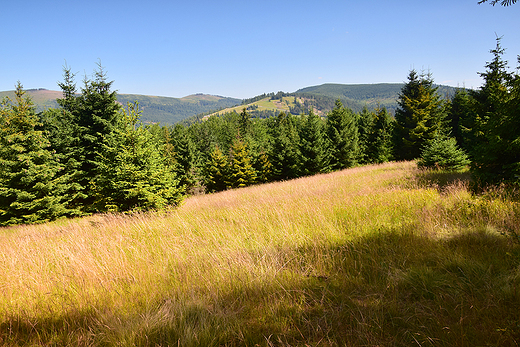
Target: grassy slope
x=366 y=256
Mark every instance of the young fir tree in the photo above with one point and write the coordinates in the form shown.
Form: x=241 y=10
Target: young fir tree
x=216 y=171
x=241 y=172
x=132 y=173
x=244 y=123
x=462 y=118
x=263 y=167
x=94 y=115
x=285 y=153
x=419 y=116
x=312 y=145
x=496 y=154
x=182 y=153
x=443 y=153
x=342 y=135
x=379 y=140
x=30 y=191
x=365 y=127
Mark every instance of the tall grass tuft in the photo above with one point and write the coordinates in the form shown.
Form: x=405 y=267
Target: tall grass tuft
x=379 y=255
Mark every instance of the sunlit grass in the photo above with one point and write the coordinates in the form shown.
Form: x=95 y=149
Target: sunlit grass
x=377 y=255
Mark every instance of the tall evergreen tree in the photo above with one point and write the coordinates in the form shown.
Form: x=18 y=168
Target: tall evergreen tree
x=420 y=116
x=94 y=115
x=462 y=118
x=365 y=125
x=263 y=167
x=496 y=155
x=379 y=140
x=244 y=123
x=216 y=171
x=241 y=171
x=132 y=173
x=30 y=192
x=342 y=134
x=285 y=154
x=313 y=145
x=61 y=130
x=182 y=153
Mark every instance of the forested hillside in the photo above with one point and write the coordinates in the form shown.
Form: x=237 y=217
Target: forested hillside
x=322 y=99
x=155 y=109
x=167 y=110
x=92 y=154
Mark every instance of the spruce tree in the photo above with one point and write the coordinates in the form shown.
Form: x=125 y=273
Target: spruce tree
x=496 y=154
x=462 y=118
x=379 y=140
x=285 y=155
x=216 y=171
x=419 y=116
x=94 y=114
x=263 y=167
x=365 y=125
x=132 y=174
x=30 y=191
x=443 y=153
x=312 y=145
x=182 y=152
x=342 y=134
x=241 y=172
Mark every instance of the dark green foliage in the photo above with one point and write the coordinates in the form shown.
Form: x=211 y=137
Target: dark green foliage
x=63 y=134
x=217 y=171
x=443 y=153
x=30 y=190
x=263 y=167
x=496 y=155
x=241 y=170
x=244 y=123
x=365 y=122
x=461 y=117
x=132 y=172
x=92 y=115
x=313 y=145
x=342 y=135
x=378 y=148
x=285 y=155
x=180 y=149
x=419 y=117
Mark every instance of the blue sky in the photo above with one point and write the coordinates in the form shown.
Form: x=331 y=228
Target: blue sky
x=245 y=48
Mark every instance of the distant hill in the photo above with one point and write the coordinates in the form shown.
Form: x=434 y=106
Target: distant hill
x=155 y=109
x=323 y=97
x=167 y=110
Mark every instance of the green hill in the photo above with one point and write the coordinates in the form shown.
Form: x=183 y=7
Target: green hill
x=156 y=109
x=167 y=110
x=322 y=98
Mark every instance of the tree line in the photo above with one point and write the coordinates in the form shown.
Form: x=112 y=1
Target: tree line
x=91 y=154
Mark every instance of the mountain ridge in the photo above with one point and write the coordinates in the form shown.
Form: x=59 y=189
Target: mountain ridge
x=321 y=98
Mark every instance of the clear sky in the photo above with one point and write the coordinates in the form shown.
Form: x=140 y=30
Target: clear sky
x=245 y=48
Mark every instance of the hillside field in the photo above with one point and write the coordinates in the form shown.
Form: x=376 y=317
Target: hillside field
x=382 y=255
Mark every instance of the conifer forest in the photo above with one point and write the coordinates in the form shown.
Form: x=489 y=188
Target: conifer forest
x=92 y=154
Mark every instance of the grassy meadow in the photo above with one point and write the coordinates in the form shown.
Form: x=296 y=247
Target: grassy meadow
x=381 y=255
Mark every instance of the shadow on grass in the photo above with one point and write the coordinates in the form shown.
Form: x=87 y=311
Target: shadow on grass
x=442 y=179
x=389 y=288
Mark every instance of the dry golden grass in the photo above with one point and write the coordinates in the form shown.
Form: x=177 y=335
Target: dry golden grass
x=368 y=256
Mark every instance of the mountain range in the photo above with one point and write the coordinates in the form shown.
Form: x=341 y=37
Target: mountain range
x=169 y=110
